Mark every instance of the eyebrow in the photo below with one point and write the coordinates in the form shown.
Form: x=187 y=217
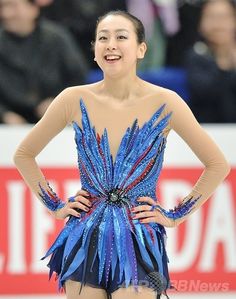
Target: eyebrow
x=117 y=30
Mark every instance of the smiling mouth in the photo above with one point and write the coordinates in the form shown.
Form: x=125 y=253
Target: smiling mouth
x=112 y=57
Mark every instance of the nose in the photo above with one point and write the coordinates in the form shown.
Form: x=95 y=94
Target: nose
x=111 y=45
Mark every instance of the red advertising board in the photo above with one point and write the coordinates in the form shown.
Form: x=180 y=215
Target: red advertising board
x=202 y=251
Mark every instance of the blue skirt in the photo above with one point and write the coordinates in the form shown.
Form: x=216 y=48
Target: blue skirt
x=87 y=272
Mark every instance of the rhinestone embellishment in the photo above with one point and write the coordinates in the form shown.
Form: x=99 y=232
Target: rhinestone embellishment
x=115 y=196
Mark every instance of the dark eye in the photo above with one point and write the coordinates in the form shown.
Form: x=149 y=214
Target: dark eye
x=121 y=37
x=102 y=38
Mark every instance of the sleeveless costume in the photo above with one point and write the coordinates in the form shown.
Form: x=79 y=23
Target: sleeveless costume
x=105 y=247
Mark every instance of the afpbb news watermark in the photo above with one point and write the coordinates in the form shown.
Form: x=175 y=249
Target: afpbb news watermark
x=191 y=285
x=157 y=282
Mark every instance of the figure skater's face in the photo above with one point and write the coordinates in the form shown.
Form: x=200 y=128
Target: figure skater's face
x=116 y=47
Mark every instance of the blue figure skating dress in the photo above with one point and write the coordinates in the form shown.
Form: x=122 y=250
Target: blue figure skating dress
x=105 y=247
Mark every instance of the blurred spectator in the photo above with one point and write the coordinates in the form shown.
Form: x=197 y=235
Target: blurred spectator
x=37 y=60
x=80 y=17
x=211 y=64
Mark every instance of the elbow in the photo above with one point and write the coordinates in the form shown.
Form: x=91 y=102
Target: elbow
x=227 y=169
x=21 y=156
x=220 y=169
x=16 y=157
x=224 y=169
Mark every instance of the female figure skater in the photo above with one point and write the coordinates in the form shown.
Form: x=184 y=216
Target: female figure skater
x=113 y=242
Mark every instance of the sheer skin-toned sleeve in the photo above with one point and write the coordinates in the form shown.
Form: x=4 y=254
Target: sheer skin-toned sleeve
x=63 y=111
x=58 y=115
x=216 y=168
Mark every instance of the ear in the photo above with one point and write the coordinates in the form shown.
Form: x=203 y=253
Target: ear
x=141 y=50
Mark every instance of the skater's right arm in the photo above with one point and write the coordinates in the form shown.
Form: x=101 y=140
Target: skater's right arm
x=58 y=115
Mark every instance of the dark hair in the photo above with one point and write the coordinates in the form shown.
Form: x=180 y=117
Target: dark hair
x=138 y=25
x=205 y=3
x=33 y=2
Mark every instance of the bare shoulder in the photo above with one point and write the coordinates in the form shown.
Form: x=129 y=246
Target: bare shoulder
x=70 y=96
x=162 y=95
x=79 y=90
x=175 y=105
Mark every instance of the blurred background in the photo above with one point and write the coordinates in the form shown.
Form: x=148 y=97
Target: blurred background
x=45 y=46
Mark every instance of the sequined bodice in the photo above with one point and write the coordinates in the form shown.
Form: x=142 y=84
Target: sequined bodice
x=137 y=165
x=104 y=232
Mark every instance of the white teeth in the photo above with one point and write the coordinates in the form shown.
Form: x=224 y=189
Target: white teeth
x=112 y=57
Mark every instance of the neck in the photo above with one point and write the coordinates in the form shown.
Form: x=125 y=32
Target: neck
x=223 y=48
x=24 y=31
x=121 y=89
x=28 y=30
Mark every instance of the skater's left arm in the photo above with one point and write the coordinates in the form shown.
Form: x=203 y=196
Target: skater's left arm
x=184 y=123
